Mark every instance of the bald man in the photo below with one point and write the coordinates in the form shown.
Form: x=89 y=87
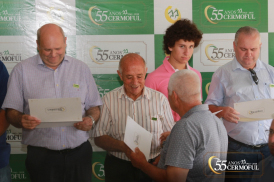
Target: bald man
x=59 y=153
x=149 y=108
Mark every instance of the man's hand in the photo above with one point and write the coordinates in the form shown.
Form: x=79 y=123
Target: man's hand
x=137 y=158
x=230 y=114
x=29 y=122
x=84 y=125
x=155 y=163
x=164 y=136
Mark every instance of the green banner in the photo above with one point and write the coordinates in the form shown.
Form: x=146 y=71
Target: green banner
x=108 y=17
x=228 y=16
x=17 y=17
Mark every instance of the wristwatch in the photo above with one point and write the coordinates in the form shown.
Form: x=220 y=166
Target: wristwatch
x=93 y=121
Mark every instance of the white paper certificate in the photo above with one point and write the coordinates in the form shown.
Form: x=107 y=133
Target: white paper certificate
x=56 y=112
x=137 y=136
x=255 y=110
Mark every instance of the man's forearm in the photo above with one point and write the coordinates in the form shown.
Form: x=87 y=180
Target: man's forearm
x=3 y=122
x=214 y=108
x=94 y=112
x=110 y=144
x=155 y=173
x=14 y=117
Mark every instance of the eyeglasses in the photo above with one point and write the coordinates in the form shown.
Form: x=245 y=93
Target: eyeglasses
x=254 y=76
x=269 y=132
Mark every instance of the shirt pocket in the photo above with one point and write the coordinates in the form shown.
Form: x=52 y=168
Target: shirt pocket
x=156 y=124
x=77 y=89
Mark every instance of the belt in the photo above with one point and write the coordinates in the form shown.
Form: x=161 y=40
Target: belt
x=64 y=151
x=250 y=146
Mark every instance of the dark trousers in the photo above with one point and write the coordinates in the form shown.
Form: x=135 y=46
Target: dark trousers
x=69 y=165
x=251 y=155
x=118 y=170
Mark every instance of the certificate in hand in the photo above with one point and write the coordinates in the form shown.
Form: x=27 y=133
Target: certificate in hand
x=137 y=136
x=56 y=112
x=255 y=110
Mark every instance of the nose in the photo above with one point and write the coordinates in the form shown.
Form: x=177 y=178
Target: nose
x=53 y=53
x=187 y=50
x=248 y=53
x=135 y=80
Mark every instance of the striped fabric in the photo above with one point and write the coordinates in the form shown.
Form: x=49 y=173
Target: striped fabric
x=31 y=79
x=117 y=106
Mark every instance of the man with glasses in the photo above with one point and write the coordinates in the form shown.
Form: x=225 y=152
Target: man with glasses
x=245 y=78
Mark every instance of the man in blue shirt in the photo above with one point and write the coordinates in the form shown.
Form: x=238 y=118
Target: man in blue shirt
x=245 y=78
x=4 y=147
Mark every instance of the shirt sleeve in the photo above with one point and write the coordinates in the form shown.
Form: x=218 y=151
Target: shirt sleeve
x=216 y=91
x=103 y=125
x=168 y=120
x=92 y=98
x=14 y=97
x=183 y=142
x=4 y=76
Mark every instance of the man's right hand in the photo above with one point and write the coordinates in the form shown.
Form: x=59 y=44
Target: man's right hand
x=230 y=114
x=29 y=122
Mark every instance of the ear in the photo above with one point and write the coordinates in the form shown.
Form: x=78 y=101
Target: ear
x=170 y=49
x=234 y=46
x=120 y=75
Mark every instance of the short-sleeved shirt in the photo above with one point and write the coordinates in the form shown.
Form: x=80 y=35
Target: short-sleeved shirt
x=4 y=146
x=32 y=79
x=151 y=110
x=198 y=132
x=232 y=83
x=159 y=78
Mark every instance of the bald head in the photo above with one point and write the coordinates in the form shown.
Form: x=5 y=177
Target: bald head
x=130 y=58
x=47 y=28
x=186 y=85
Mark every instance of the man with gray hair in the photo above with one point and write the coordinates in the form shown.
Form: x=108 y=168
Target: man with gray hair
x=196 y=137
x=245 y=78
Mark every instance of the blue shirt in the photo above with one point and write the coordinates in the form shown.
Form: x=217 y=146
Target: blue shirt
x=4 y=147
x=232 y=83
x=32 y=79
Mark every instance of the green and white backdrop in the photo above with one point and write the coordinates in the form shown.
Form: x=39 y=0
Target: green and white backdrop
x=100 y=32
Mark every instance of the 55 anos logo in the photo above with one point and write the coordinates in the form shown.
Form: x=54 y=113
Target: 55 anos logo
x=218 y=166
x=214 y=15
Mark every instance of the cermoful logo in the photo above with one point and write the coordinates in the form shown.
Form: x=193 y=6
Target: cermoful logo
x=216 y=54
x=255 y=111
x=55 y=109
x=215 y=15
x=172 y=15
x=55 y=15
x=5 y=16
x=6 y=56
x=98 y=16
x=101 y=56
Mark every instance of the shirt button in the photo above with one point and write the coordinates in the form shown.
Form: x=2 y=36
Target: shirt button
x=63 y=145
x=57 y=85
x=62 y=129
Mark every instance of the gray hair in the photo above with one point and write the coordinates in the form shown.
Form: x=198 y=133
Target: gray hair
x=186 y=84
x=39 y=32
x=129 y=56
x=247 y=30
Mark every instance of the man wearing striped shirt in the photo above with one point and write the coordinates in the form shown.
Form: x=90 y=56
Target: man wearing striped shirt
x=59 y=153
x=149 y=108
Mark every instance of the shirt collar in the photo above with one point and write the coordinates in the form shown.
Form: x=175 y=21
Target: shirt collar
x=145 y=94
x=40 y=62
x=195 y=109
x=237 y=65
x=169 y=67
